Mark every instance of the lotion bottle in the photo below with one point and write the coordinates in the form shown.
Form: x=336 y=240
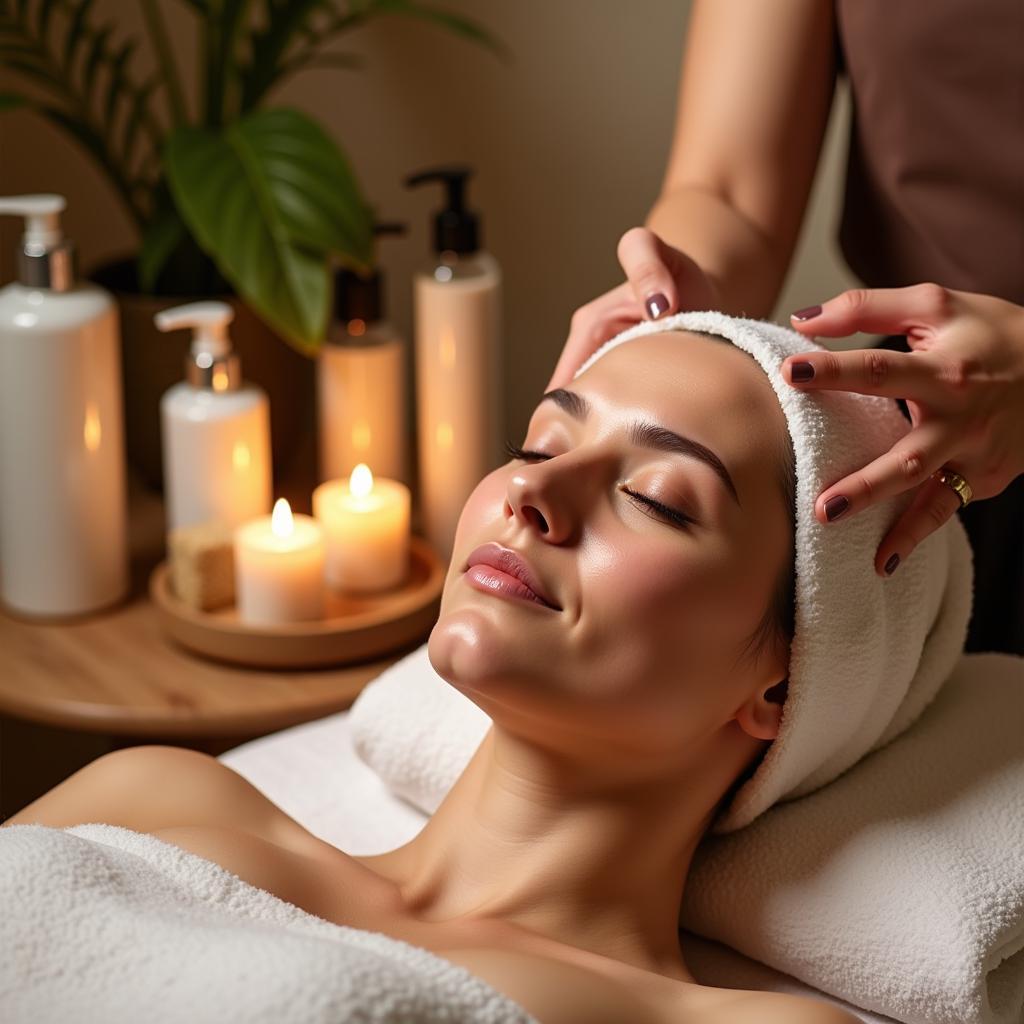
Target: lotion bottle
x=457 y=358
x=215 y=428
x=361 y=388
x=63 y=502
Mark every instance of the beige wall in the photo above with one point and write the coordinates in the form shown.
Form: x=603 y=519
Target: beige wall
x=569 y=139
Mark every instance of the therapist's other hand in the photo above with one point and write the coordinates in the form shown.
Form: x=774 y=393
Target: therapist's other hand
x=963 y=382
x=660 y=280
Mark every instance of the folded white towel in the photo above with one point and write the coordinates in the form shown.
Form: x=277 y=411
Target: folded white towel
x=102 y=924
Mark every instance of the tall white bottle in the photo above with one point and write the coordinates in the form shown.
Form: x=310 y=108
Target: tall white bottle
x=457 y=316
x=215 y=428
x=361 y=390
x=63 y=505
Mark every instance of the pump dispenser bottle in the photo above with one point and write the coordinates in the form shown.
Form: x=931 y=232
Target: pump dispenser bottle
x=361 y=380
x=63 y=509
x=457 y=309
x=215 y=428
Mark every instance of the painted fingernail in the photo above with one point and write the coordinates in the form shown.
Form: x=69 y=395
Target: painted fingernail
x=802 y=371
x=807 y=313
x=835 y=507
x=656 y=305
x=890 y=566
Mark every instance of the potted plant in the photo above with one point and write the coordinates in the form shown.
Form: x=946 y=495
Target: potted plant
x=243 y=200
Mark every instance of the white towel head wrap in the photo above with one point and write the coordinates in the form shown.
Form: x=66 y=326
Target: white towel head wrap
x=868 y=653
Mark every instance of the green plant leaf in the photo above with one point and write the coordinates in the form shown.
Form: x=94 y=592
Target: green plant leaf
x=269 y=199
x=455 y=23
x=159 y=240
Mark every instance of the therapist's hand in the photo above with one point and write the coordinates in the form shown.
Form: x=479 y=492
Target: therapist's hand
x=963 y=382
x=660 y=280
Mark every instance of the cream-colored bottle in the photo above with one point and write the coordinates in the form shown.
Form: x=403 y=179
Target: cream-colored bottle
x=459 y=410
x=215 y=428
x=63 y=503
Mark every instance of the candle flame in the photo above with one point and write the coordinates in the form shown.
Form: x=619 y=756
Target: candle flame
x=92 y=433
x=360 y=483
x=282 y=524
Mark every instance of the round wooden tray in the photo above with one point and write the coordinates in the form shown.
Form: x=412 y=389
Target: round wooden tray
x=356 y=626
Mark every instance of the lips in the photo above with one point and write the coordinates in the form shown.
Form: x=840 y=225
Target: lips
x=512 y=564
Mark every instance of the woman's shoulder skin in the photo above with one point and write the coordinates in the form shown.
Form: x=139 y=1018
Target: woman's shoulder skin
x=193 y=801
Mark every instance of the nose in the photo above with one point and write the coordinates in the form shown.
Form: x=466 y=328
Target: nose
x=544 y=496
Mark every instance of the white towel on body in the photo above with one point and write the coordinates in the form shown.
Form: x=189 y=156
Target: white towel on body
x=103 y=924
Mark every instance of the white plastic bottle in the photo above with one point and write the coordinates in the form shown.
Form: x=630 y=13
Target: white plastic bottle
x=457 y=315
x=63 y=504
x=215 y=428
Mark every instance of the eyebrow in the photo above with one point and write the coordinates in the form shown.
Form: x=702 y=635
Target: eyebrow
x=648 y=435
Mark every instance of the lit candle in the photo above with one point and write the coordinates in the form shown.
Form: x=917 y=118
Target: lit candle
x=279 y=568
x=367 y=525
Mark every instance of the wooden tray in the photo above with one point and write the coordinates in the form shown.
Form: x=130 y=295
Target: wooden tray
x=356 y=626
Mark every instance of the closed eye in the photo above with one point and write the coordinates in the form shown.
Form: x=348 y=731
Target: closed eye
x=664 y=511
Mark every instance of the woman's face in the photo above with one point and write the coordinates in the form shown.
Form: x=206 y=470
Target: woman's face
x=641 y=653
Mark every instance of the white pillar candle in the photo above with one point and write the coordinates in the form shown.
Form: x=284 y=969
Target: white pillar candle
x=367 y=525
x=279 y=568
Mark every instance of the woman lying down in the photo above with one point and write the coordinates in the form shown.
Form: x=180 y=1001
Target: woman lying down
x=633 y=649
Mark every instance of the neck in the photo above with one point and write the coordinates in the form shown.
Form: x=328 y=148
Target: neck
x=538 y=842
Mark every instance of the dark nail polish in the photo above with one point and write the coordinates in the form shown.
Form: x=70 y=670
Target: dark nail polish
x=890 y=566
x=835 y=507
x=808 y=313
x=802 y=371
x=656 y=305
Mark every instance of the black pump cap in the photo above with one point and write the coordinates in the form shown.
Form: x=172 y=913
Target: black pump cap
x=455 y=228
x=360 y=296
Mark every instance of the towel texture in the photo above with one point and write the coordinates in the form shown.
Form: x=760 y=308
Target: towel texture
x=868 y=653
x=103 y=924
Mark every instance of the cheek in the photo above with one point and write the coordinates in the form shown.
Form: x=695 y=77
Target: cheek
x=654 y=615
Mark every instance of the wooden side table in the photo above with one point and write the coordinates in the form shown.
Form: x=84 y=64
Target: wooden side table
x=71 y=691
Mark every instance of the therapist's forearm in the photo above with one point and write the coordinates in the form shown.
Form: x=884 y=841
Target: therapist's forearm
x=739 y=258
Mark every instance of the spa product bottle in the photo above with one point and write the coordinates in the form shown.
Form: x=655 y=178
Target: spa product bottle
x=457 y=315
x=215 y=428
x=63 y=505
x=361 y=372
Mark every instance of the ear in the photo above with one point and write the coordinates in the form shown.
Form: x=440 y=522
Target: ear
x=761 y=715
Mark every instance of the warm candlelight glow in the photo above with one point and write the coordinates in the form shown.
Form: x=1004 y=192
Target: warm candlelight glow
x=445 y=435
x=220 y=380
x=360 y=483
x=282 y=524
x=92 y=434
x=446 y=349
x=361 y=435
x=240 y=456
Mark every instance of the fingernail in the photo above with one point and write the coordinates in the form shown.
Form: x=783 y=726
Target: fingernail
x=656 y=305
x=835 y=507
x=808 y=313
x=802 y=371
x=890 y=566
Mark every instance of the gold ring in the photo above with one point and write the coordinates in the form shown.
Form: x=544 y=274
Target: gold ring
x=957 y=482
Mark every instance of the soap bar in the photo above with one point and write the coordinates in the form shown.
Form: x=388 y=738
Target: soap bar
x=202 y=561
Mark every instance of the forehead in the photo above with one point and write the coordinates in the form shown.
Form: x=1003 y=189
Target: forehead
x=698 y=385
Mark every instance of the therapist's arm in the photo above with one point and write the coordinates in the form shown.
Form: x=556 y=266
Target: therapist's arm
x=755 y=93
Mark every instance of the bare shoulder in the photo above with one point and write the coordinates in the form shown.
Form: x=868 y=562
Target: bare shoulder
x=779 y=1008
x=153 y=787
